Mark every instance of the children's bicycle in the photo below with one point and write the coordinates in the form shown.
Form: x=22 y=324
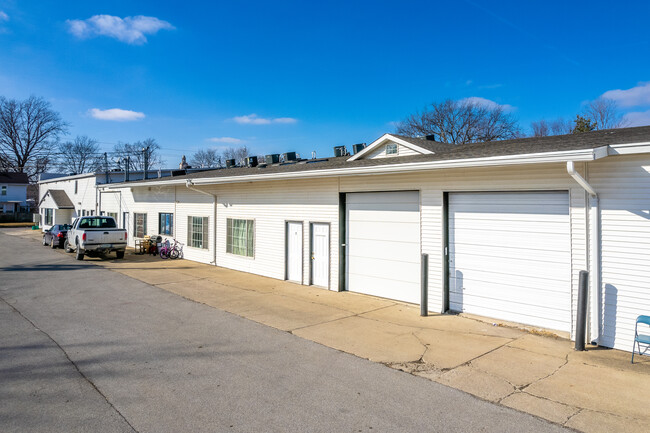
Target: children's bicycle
x=168 y=251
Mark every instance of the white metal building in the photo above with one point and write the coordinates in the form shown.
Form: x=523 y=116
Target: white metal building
x=507 y=225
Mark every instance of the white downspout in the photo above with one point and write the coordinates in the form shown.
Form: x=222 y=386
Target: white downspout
x=189 y=184
x=594 y=256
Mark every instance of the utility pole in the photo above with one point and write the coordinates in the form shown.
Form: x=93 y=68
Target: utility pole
x=127 y=168
x=106 y=166
x=145 y=150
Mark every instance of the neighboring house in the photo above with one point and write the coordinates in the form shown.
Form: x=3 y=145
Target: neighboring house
x=507 y=226
x=13 y=192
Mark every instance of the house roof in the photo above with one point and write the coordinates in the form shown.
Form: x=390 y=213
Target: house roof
x=583 y=146
x=61 y=199
x=16 y=178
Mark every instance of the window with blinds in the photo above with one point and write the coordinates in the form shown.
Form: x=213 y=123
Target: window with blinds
x=197 y=232
x=240 y=237
x=140 y=224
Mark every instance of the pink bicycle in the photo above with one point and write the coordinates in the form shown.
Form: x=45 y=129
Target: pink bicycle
x=168 y=251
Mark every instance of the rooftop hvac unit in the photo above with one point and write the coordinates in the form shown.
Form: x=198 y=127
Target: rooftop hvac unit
x=289 y=156
x=274 y=158
x=230 y=163
x=251 y=161
x=178 y=173
x=356 y=148
x=340 y=151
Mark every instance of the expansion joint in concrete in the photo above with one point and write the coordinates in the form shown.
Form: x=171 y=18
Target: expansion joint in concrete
x=74 y=365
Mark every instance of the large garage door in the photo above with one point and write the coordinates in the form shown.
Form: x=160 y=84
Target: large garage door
x=509 y=257
x=383 y=244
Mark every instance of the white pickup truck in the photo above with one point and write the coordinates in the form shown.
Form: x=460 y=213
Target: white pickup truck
x=95 y=235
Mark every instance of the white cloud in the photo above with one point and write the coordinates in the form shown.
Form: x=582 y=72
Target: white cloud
x=132 y=30
x=634 y=97
x=4 y=16
x=637 y=118
x=116 y=114
x=254 y=119
x=488 y=103
x=229 y=140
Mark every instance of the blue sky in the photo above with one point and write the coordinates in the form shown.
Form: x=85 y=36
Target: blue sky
x=302 y=76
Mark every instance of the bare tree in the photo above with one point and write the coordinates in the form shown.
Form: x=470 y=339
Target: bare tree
x=136 y=153
x=604 y=114
x=29 y=130
x=206 y=158
x=237 y=153
x=540 y=128
x=79 y=156
x=460 y=122
x=559 y=126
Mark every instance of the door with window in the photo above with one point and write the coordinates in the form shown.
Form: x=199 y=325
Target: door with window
x=294 y=251
x=320 y=254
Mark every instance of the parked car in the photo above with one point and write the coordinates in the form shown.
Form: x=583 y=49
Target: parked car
x=95 y=235
x=55 y=236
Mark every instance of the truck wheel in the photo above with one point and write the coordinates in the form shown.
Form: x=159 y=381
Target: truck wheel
x=66 y=246
x=80 y=255
x=120 y=254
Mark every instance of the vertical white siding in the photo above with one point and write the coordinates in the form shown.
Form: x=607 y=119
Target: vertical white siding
x=623 y=185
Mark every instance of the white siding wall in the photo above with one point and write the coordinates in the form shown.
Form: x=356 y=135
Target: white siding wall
x=84 y=199
x=380 y=152
x=271 y=204
x=623 y=185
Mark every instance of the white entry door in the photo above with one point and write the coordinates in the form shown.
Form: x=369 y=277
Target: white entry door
x=294 y=251
x=320 y=254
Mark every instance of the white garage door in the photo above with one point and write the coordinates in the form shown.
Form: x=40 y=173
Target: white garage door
x=383 y=244
x=509 y=257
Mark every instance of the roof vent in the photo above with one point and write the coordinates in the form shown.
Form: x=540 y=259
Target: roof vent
x=340 y=151
x=273 y=158
x=356 y=148
x=230 y=163
x=431 y=137
x=289 y=156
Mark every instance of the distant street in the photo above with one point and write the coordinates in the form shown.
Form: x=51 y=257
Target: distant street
x=85 y=349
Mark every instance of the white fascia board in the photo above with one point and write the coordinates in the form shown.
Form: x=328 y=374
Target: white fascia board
x=388 y=137
x=628 y=149
x=64 y=178
x=532 y=158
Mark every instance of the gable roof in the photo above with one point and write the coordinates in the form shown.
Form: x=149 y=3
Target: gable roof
x=61 y=199
x=586 y=146
x=15 y=178
x=414 y=144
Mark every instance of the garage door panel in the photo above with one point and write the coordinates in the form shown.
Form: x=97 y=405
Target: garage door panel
x=383 y=244
x=388 y=269
x=510 y=258
x=376 y=249
x=390 y=231
x=383 y=215
x=391 y=289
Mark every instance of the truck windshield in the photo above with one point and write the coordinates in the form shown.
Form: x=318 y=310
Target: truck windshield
x=97 y=223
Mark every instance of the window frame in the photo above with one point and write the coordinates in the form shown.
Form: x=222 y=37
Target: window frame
x=249 y=240
x=4 y=190
x=170 y=232
x=143 y=225
x=48 y=216
x=204 y=232
x=391 y=146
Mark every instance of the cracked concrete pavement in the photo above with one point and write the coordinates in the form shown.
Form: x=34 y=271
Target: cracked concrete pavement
x=595 y=391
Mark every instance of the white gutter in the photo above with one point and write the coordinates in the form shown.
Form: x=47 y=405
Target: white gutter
x=533 y=158
x=594 y=256
x=188 y=184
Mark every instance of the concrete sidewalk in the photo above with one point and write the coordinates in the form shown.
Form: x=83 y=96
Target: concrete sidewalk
x=595 y=391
